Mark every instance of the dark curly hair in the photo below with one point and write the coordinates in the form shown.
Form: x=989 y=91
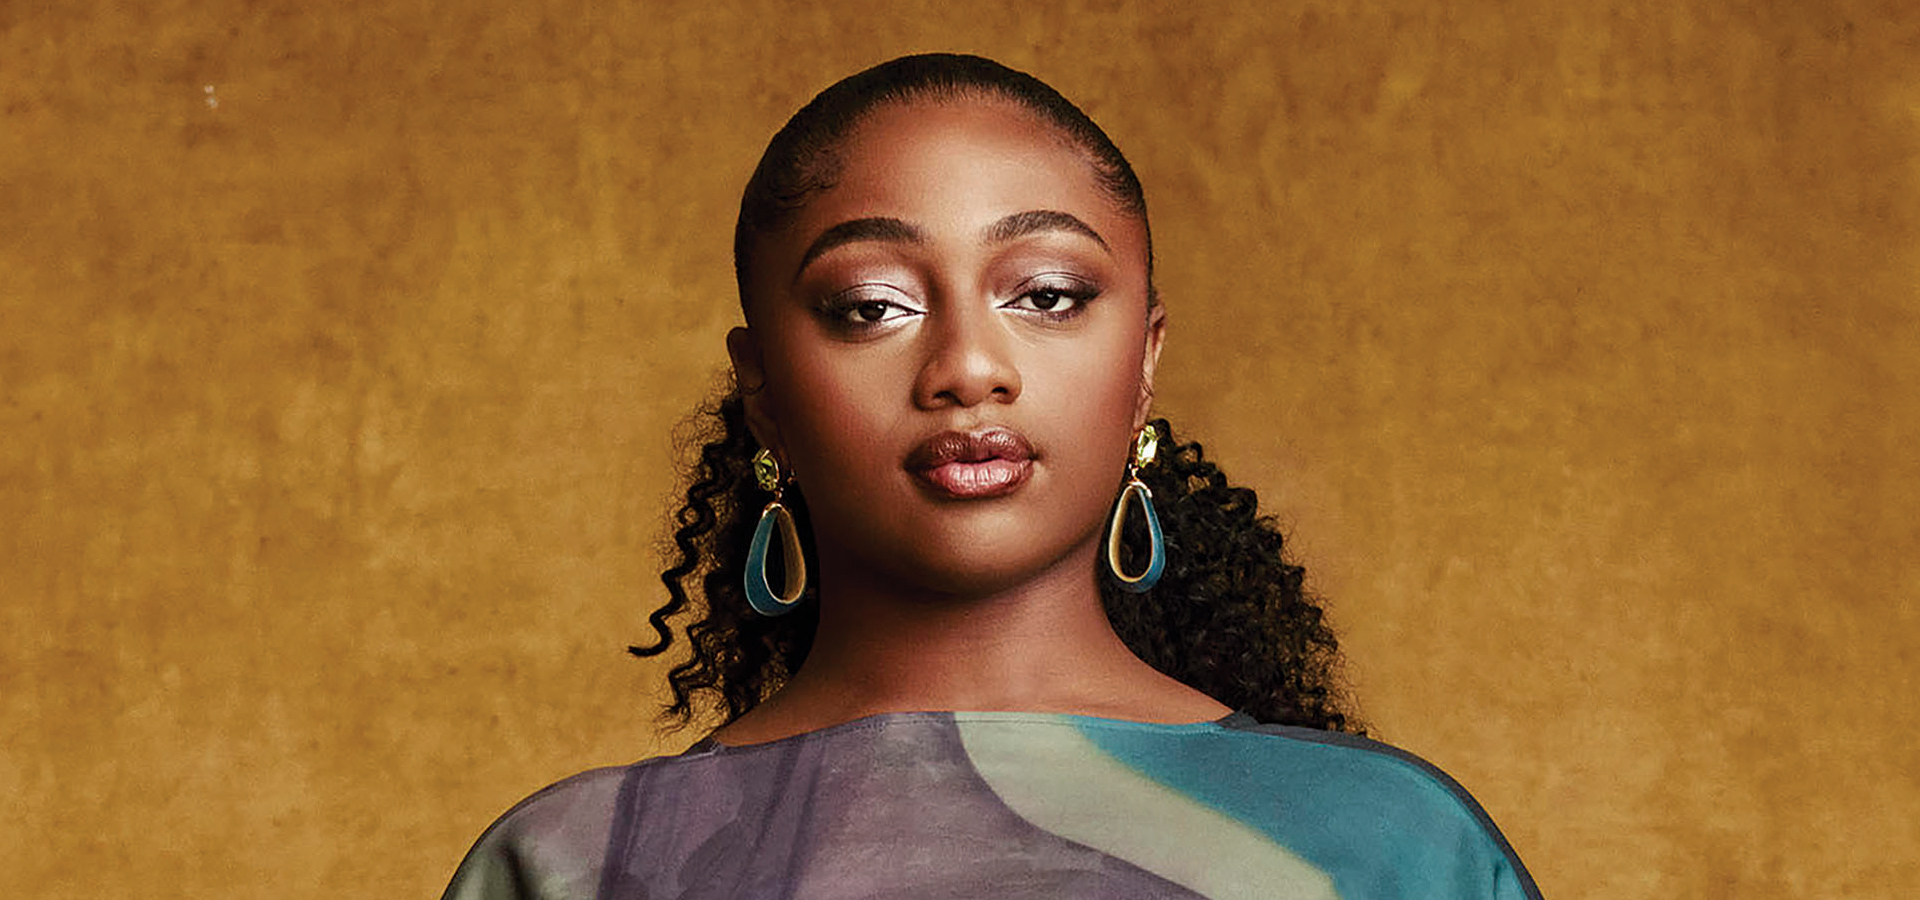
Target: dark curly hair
x=1230 y=617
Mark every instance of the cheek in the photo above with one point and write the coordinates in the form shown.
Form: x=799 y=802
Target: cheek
x=834 y=411
x=1103 y=374
x=1089 y=393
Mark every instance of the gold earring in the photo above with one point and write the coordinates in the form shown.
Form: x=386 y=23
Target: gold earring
x=1146 y=445
x=760 y=595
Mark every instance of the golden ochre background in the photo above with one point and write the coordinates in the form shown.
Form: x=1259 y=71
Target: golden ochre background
x=341 y=347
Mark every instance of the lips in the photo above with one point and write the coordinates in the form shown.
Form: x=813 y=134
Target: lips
x=972 y=465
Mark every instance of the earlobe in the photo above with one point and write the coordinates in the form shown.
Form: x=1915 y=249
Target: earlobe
x=750 y=379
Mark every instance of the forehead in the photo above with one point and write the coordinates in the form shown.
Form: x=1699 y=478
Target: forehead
x=951 y=166
x=980 y=148
x=946 y=137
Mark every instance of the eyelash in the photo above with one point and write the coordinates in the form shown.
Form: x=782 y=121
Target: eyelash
x=1079 y=293
x=842 y=312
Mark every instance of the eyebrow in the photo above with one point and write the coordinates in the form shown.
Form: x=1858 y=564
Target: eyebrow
x=876 y=228
x=1020 y=225
x=889 y=230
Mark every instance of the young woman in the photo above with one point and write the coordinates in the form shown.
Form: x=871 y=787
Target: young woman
x=975 y=625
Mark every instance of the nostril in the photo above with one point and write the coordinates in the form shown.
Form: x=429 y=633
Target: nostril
x=966 y=364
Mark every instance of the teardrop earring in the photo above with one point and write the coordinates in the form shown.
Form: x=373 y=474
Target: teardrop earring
x=1145 y=446
x=760 y=595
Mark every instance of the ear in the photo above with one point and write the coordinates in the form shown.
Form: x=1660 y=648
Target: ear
x=750 y=376
x=1149 y=362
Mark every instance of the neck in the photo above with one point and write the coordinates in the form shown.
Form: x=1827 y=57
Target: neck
x=1042 y=646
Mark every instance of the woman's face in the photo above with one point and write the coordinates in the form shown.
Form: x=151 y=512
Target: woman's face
x=953 y=348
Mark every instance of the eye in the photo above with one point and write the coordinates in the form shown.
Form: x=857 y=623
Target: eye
x=871 y=312
x=865 y=308
x=1053 y=300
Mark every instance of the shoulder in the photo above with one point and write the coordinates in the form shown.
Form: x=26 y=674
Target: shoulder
x=1365 y=766
x=549 y=846
x=1371 y=792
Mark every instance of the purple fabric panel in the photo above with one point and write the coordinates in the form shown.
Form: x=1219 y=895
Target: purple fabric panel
x=872 y=810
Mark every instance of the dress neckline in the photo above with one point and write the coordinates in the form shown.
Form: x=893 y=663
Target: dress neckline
x=875 y=721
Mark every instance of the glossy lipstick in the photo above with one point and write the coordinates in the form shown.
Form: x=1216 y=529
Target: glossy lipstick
x=961 y=465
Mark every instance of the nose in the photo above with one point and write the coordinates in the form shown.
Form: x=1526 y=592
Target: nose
x=968 y=361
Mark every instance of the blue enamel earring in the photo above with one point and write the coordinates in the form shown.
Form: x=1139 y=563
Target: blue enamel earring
x=760 y=595
x=1145 y=446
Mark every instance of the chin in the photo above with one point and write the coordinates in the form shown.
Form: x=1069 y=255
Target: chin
x=965 y=550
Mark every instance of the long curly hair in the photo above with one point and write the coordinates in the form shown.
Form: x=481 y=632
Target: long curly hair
x=1230 y=616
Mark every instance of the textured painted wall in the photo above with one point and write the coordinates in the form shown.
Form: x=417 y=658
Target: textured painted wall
x=341 y=349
